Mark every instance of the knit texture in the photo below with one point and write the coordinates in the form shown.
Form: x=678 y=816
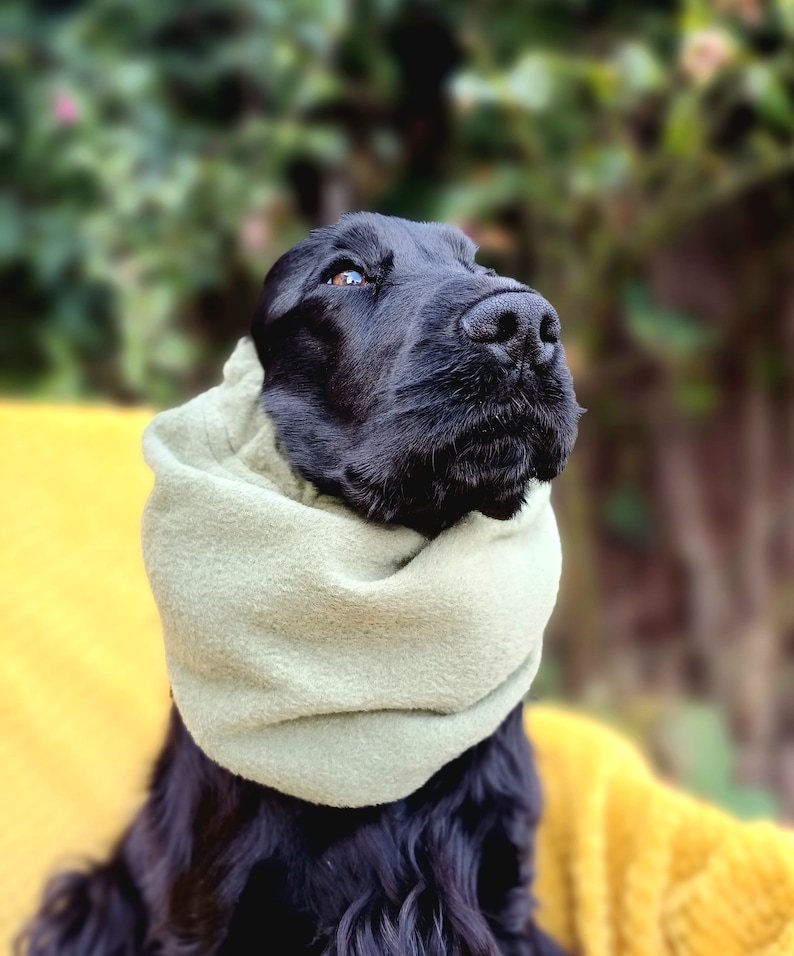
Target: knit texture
x=332 y=658
x=626 y=865
x=629 y=867
x=83 y=688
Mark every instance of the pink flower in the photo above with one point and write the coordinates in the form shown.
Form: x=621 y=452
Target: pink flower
x=705 y=52
x=750 y=12
x=254 y=233
x=64 y=109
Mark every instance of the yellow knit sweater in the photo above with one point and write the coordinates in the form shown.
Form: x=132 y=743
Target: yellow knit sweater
x=626 y=865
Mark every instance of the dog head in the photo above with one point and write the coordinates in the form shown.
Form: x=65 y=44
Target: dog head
x=407 y=379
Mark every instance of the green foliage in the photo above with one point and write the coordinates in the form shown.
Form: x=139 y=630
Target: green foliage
x=679 y=342
x=665 y=333
x=688 y=743
x=626 y=513
x=146 y=152
x=134 y=163
x=156 y=158
x=697 y=750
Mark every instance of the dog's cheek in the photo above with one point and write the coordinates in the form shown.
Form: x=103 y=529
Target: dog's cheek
x=340 y=400
x=345 y=390
x=359 y=382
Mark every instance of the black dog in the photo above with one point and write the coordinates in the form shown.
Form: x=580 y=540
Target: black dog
x=417 y=386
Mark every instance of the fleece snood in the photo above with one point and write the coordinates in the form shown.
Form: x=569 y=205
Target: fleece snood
x=334 y=659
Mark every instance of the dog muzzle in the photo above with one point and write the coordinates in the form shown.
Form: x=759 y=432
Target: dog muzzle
x=334 y=659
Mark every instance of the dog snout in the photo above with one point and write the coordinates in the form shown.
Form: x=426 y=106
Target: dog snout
x=514 y=327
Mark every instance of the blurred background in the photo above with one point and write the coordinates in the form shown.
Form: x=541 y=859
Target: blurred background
x=632 y=161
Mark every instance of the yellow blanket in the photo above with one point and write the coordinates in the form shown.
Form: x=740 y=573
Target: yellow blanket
x=626 y=865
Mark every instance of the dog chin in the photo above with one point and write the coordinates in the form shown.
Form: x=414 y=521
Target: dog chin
x=446 y=509
x=495 y=497
x=503 y=510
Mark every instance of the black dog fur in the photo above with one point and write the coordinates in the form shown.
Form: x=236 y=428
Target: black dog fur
x=422 y=388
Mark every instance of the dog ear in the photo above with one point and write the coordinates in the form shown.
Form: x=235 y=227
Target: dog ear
x=282 y=291
x=95 y=911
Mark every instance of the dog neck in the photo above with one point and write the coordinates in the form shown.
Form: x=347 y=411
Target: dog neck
x=334 y=659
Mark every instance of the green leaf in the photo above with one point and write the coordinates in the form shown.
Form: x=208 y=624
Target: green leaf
x=670 y=334
x=683 y=133
x=785 y=10
x=531 y=82
x=53 y=245
x=626 y=513
x=696 y=14
x=770 y=96
x=697 y=746
x=471 y=89
x=11 y=231
x=696 y=396
x=639 y=70
x=601 y=169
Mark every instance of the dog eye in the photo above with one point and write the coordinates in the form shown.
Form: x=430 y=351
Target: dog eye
x=348 y=277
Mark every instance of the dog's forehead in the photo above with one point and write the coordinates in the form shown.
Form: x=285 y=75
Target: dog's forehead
x=376 y=237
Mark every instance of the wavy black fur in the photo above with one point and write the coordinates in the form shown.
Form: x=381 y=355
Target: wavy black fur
x=416 y=403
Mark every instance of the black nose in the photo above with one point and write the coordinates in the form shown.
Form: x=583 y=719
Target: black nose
x=514 y=327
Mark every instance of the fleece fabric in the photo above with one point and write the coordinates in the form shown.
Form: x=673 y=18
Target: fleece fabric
x=334 y=659
x=627 y=866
